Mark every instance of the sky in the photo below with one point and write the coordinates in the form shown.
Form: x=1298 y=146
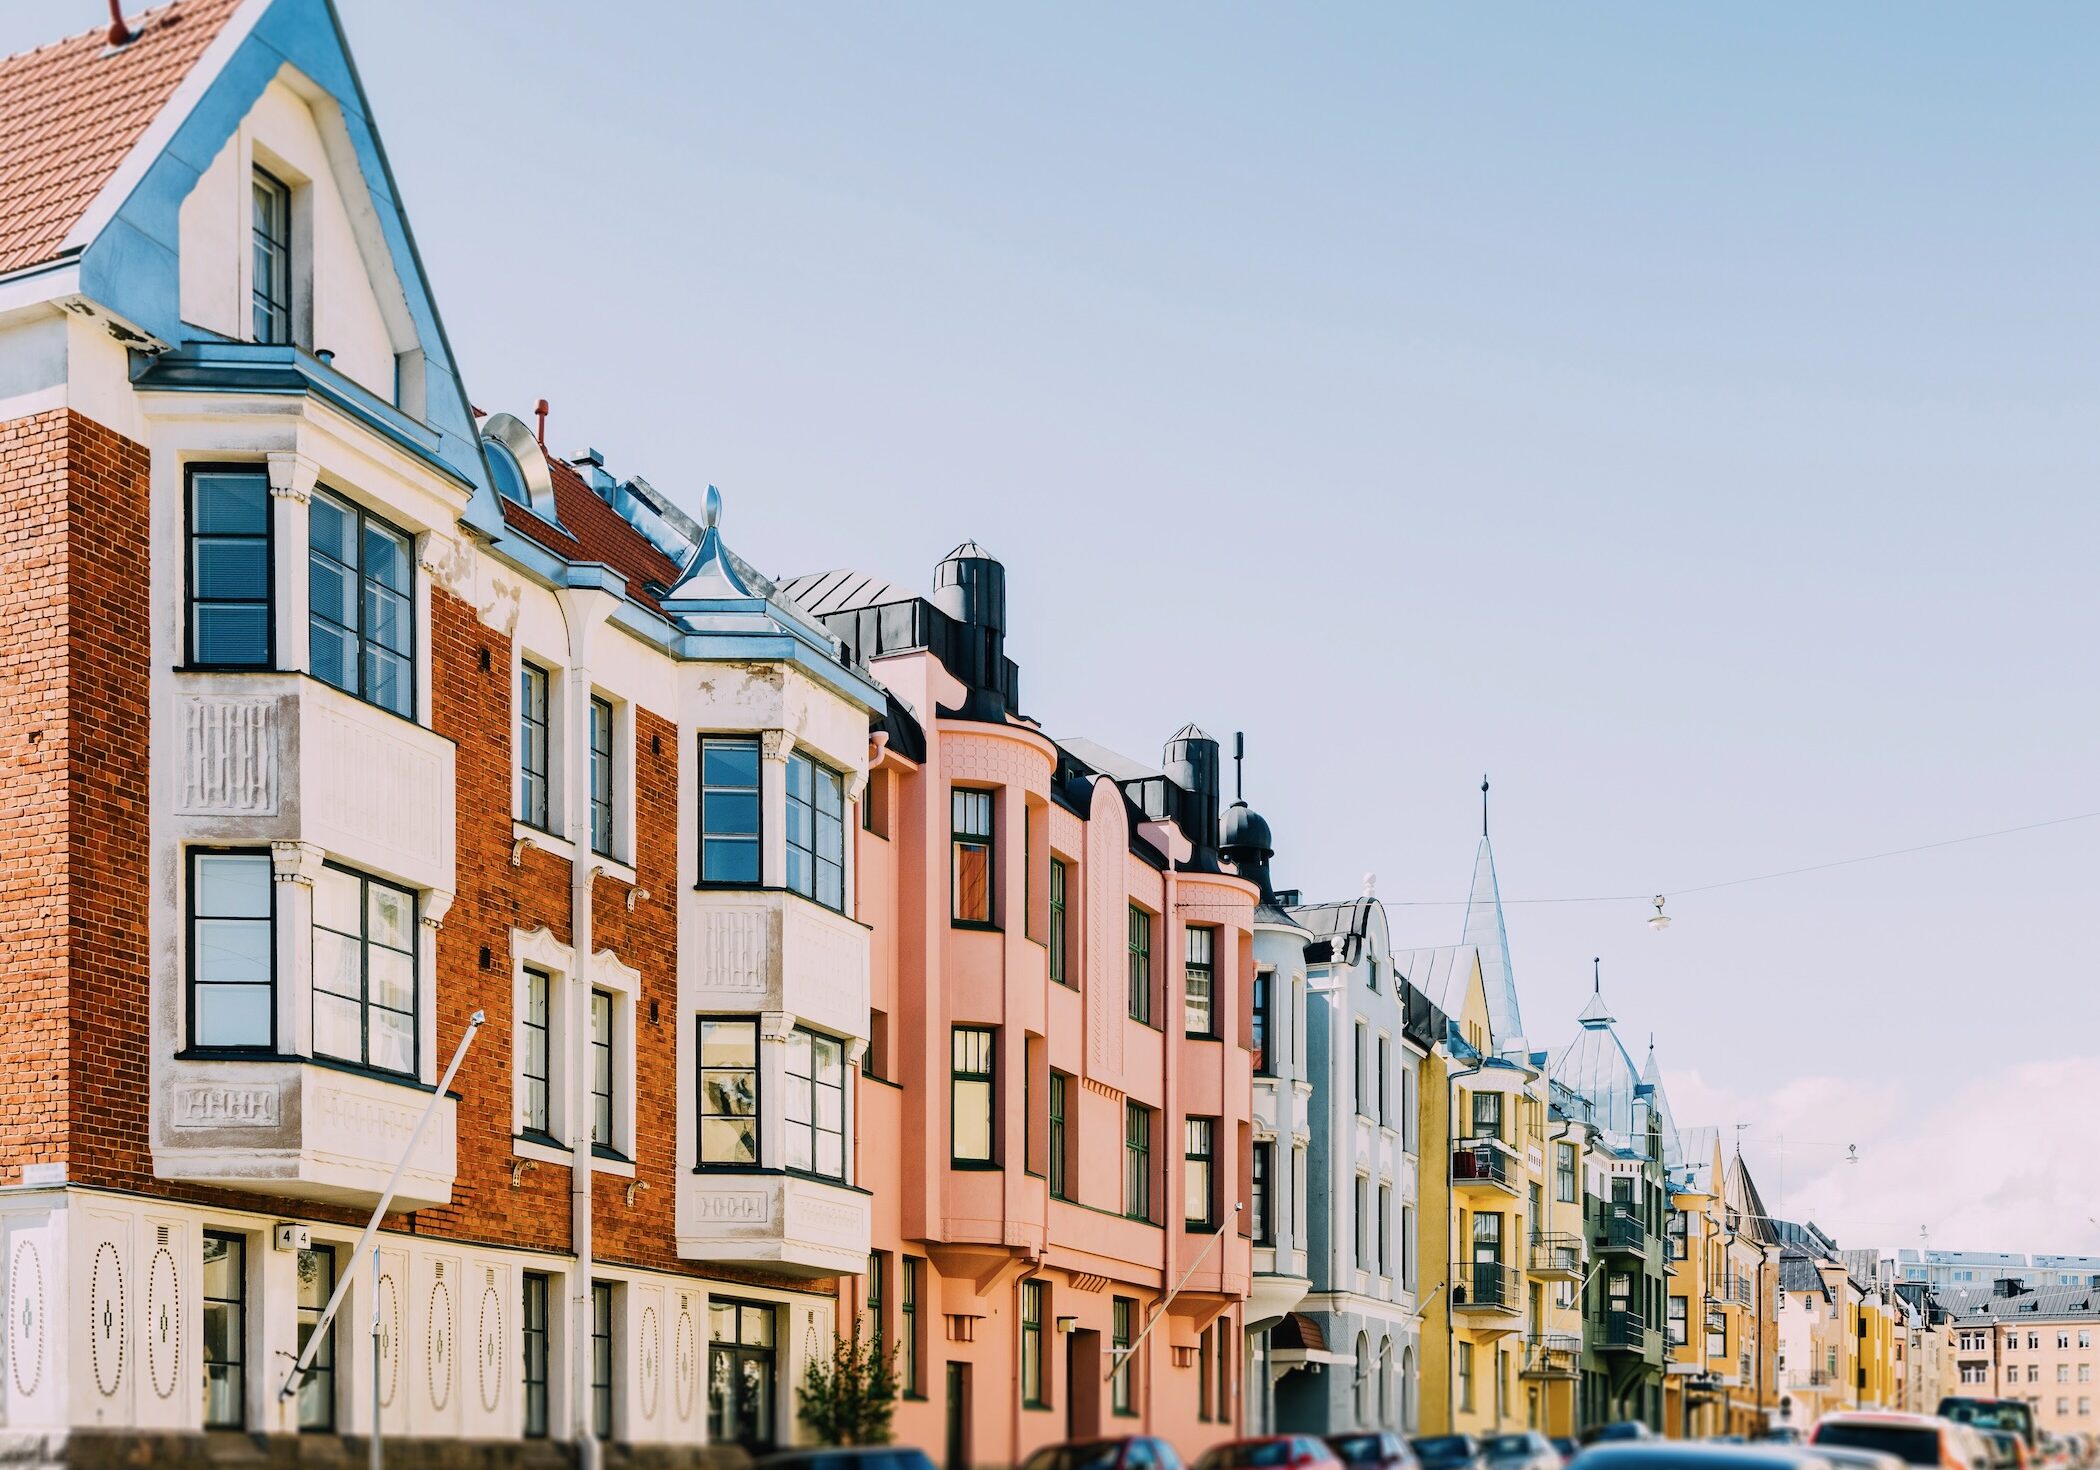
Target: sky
x=1683 y=415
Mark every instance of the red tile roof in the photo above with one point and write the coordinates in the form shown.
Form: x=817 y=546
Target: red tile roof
x=597 y=532
x=69 y=114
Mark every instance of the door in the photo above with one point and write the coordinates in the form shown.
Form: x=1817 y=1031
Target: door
x=740 y=1373
x=1083 y=1372
x=958 y=1457
x=1487 y=1259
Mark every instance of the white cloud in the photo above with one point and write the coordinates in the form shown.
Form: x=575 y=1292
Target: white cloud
x=2007 y=1158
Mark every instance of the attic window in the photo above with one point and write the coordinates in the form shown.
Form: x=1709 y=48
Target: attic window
x=271 y=288
x=504 y=470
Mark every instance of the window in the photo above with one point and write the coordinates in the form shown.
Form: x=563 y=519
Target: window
x=361 y=613
x=1263 y=1023
x=1259 y=1202
x=233 y=953
x=1203 y=1376
x=534 y=1328
x=878 y=1281
x=1362 y=1094
x=602 y=1135
x=971 y=839
x=729 y=810
x=970 y=1096
x=230 y=572
x=1409 y=1126
x=816 y=831
x=536 y=1052
x=1564 y=1173
x=364 y=971
x=1465 y=1375
x=2085 y=1372
x=1199 y=1172
x=270 y=289
x=1058 y=879
x=740 y=1373
x=1137 y=1161
x=728 y=1093
x=2063 y=1339
x=1123 y=1311
x=1199 y=957
x=602 y=1359
x=1140 y=965
x=2063 y=1372
x=1680 y=1247
x=1059 y=1153
x=225 y=1331
x=1362 y=1221
x=317 y=1389
x=816 y=1104
x=1385 y=1061
x=1407 y=1247
x=2085 y=1338
x=1385 y=1229
x=532 y=744
x=1032 y=1294
x=1487 y=1115
x=601 y=776
x=908 y=1331
x=1678 y=1327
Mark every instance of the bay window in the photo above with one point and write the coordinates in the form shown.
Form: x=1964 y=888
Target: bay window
x=233 y=967
x=729 y=816
x=361 y=604
x=728 y=1092
x=816 y=831
x=229 y=566
x=364 y=971
x=971 y=1084
x=1199 y=1172
x=815 y=1111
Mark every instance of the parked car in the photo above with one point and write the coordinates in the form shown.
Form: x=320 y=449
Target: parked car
x=1373 y=1451
x=1446 y=1451
x=1782 y=1434
x=1269 y=1451
x=1615 y=1432
x=1130 y=1452
x=1653 y=1453
x=2008 y=1451
x=865 y=1457
x=1844 y=1457
x=1990 y=1413
x=1566 y=1444
x=1525 y=1450
x=1917 y=1439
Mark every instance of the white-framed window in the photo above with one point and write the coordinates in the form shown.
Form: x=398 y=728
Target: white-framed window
x=365 y=1000
x=270 y=276
x=615 y=989
x=814 y=1121
x=816 y=831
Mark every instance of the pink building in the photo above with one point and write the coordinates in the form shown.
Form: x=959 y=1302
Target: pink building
x=1054 y=1111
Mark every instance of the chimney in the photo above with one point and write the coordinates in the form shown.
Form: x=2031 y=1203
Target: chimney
x=970 y=587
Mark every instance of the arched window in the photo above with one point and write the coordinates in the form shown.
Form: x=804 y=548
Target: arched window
x=1364 y=1368
x=1384 y=1368
x=1407 y=1390
x=503 y=469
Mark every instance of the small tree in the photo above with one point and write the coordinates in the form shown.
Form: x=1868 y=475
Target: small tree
x=848 y=1397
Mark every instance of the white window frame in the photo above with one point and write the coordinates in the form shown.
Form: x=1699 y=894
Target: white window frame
x=539 y=950
x=624 y=984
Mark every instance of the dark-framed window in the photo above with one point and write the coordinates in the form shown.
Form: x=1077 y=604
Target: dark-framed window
x=317 y=1389
x=532 y=744
x=1122 y=1326
x=602 y=1071
x=534 y=1326
x=1260 y=1197
x=1264 y=1021
x=970 y=839
x=1363 y=1098
x=1199 y=1172
x=602 y=1359
x=1198 y=980
x=877 y=1293
x=815 y=1111
x=1137 y=1161
x=1033 y=1294
x=232 y=951
x=1385 y=1065
x=601 y=775
x=908 y=1379
x=816 y=831
x=1564 y=1173
x=1058 y=878
x=1059 y=1084
x=537 y=1053
x=231 y=568
x=728 y=1092
x=365 y=994
x=1385 y=1229
x=1362 y=1221
x=729 y=810
x=270 y=286
x=1140 y=965
x=971 y=1078
x=742 y=1368
x=225 y=1298
x=361 y=604
x=1487 y=1115
x=1676 y=1229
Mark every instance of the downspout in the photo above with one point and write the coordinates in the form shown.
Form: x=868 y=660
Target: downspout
x=1169 y=1227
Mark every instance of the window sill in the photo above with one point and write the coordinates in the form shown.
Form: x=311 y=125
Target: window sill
x=605 y=1161
x=542 y=1149
x=1201 y=1036
x=552 y=843
x=980 y=926
x=975 y=1166
x=333 y=1064
x=760 y=1171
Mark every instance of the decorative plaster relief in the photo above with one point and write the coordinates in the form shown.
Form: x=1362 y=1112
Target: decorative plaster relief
x=25 y=1297
x=686 y=1366
x=228 y=765
x=490 y=1357
x=733 y=950
x=164 y=1329
x=224 y=1105
x=349 y=760
x=739 y=1207
x=108 y=1328
x=649 y=1351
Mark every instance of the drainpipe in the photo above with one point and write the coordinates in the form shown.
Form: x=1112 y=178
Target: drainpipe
x=1169 y=1020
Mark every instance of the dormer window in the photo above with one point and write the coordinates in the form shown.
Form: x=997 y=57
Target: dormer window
x=504 y=471
x=271 y=288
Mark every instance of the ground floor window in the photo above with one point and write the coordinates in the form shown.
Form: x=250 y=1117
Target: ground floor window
x=317 y=1388
x=1032 y=1391
x=1120 y=1398
x=535 y=1333
x=602 y=1359
x=740 y=1373
x=225 y=1331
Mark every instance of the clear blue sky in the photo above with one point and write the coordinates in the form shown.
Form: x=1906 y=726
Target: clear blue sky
x=1687 y=417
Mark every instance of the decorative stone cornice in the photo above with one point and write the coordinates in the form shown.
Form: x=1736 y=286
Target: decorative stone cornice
x=776 y=1025
x=776 y=745
x=292 y=476
x=296 y=862
x=434 y=908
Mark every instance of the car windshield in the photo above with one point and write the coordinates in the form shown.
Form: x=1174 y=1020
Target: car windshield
x=1099 y=1455
x=1358 y=1449
x=1506 y=1444
x=1440 y=1451
x=1253 y=1452
x=1919 y=1446
x=1999 y=1415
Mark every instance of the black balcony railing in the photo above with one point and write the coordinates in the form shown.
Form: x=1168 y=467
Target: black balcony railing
x=1480 y=1162
x=1625 y=1232
x=1556 y=1255
x=1552 y=1355
x=1623 y=1332
x=1485 y=1286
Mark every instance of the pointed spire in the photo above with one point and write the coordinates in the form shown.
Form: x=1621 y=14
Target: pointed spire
x=1486 y=932
x=1596 y=1016
x=712 y=573
x=1483 y=807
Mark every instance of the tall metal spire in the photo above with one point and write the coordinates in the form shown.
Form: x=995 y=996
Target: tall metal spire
x=1483 y=806
x=1486 y=932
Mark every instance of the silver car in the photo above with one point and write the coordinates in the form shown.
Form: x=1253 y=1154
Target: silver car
x=1528 y=1450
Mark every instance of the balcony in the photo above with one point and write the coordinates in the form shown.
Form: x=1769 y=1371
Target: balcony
x=1484 y=1165
x=286 y=1126
x=1556 y=1257
x=1486 y=1288
x=1553 y=1355
x=1624 y=1332
x=1623 y=1234
x=747 y=950
x=787 y=1223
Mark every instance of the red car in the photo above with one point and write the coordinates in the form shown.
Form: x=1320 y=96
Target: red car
x=1270 y=1452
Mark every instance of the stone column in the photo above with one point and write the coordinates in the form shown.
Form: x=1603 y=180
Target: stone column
x=292 y=478
x=295 y=866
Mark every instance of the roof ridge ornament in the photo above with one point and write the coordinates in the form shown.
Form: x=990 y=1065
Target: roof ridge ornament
x=711 y=509
x=1483 y=806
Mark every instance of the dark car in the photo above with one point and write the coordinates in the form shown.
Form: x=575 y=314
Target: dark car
x=1526 y=1449
x=1268 y=1452
x=1373 y=1451
x=1988 y=1413
x=1446 y=1451
x=1130 y=1452
x=1619 y=1431
x=866 y=1457
x=1566 y=1444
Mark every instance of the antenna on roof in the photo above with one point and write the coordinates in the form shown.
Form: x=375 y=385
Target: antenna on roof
x=1239 y=757
x=120 y=33
x=1596 y=974
x=1483 y=806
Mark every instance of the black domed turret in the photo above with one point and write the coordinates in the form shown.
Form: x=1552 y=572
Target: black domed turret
x=970 y=587
x=1244 y=842
x=1191 y=762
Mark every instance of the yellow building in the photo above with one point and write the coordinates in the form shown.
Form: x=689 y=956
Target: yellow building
x=1559 y=1262
x=1717 y=1310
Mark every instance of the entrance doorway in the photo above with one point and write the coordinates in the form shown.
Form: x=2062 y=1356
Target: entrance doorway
x=1082 y=1385
x=958 y=1457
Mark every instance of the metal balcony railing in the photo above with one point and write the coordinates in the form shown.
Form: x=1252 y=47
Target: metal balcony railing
x=1486 y=1286
x=1556 y=1254
x=1623 y=1332
x=1484 y=1163
x=1552 y=1355
x=1624 y=1231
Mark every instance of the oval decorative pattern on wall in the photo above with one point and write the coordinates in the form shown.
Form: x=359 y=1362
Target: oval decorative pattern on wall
x=651 y=1352
x=25 y=1295
x=686 y=1345
x=439 y=1356
x=389 y=1336
x=163 y=1323
x=491 y=1356
x=107 y=1330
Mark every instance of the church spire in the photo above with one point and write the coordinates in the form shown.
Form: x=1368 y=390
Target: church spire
x=1486 y=932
